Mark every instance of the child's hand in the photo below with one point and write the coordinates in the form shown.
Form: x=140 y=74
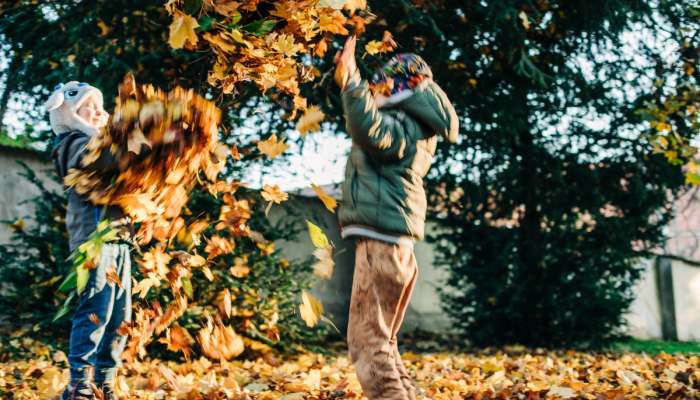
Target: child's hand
x=345 y=63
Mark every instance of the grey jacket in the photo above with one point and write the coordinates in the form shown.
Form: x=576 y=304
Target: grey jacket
x=82 y=215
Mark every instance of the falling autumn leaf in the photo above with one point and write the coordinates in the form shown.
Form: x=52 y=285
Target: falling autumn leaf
x=273 y=194
x=177 y=341
x=318 y=238
x=234 y=153
x=93 y=317
x=310 y=309
x=240 y=268
x=208 y=273
x=330 y=203
x=373 y=47
x=526 y=21
x=325 y=264
x=17 y=225
x=182 y=29
x=310 y=121
x=219 y=341
x=217 y=246
x=113 y=277
x=271 y=147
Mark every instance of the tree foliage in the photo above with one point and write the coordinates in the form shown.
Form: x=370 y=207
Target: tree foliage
x=672 y=110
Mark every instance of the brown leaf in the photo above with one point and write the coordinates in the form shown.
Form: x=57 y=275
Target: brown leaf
x=89 y=265
x=218 y=246
x=168 y=375
x=310 y=121
x=226 y=303
x=330 y=203
x=234 y=153
x=95 y=319
x=219 y=341
x=223 y=7
x=197 y=227
x=113 y=277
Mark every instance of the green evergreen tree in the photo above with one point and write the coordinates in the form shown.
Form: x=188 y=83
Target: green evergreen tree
x=549 y=197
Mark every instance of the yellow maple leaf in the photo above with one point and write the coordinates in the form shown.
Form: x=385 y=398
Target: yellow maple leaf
x=310 y=121
x=325 y=264
x=280 y=10
x=330 y=203
x=334 y=22
x=310 y=309
x=142 y=287
x=271 y=147
x=285 y=45
x=373 y=47
x=273 y=194
x=156 y=261
x=182 y=29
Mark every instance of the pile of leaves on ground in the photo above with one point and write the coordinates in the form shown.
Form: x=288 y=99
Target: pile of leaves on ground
x=512 y=372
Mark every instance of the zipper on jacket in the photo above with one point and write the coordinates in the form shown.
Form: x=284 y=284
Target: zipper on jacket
x=353 y=189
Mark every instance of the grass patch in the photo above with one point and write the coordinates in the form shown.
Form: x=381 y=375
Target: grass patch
x=656 y=346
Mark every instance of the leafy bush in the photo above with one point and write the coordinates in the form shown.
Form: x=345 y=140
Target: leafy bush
x=40 y=249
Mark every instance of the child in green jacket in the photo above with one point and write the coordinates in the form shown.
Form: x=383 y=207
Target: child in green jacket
x=394 y=122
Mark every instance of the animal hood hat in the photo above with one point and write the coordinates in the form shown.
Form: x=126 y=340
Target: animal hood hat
x=63 y=108
x=402 y=73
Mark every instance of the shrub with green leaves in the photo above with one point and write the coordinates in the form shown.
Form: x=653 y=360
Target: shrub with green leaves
x=35 y=264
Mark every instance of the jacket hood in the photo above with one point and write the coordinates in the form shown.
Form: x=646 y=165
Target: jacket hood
x=429 y=104
x=63 y=107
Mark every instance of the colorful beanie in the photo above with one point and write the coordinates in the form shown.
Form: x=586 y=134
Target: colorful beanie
x=403 y=71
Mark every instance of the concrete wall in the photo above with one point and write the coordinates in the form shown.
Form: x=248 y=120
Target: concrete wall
x=686 y=295
x=644 y=318
x=425 y=313
x=424 y=310
x=646 y=315
x=15 y=189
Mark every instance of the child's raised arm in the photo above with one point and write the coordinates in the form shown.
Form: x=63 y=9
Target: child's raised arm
x=376 y=133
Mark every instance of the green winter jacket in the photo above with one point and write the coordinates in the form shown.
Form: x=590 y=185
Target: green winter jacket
x=392 y=151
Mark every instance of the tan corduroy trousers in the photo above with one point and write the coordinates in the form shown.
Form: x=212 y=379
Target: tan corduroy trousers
x=384 y=277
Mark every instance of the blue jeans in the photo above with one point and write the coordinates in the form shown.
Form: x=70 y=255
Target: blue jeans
x=96 y=347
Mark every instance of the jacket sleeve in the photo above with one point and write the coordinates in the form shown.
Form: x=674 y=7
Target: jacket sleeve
x=375 y=132
x=77 y=152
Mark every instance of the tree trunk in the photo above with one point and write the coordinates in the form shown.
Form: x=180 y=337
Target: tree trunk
x=530 y=223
